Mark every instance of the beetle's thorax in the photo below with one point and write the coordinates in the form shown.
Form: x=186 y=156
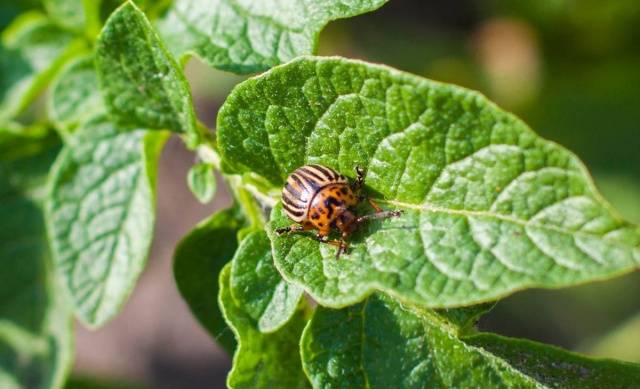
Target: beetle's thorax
x=346 y=222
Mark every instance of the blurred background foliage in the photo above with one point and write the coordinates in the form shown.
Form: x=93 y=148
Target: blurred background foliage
x=571 y=69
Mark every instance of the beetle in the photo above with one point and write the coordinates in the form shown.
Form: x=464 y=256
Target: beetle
x=317 y=197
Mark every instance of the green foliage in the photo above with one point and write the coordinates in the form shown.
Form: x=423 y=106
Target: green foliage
x=197 y=262
x=141 y=83
x=74 y=95
x=33 y=49
x=202 y=181
x=257 y=286
x=380 y=344
x=245 y=37
x=66 y=13
x=35 y=324
x=262 y=360
x=489 y=207
x=100 y=215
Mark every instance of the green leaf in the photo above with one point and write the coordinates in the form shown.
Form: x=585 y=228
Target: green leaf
x=35 y=324
x=202 y=182
x=197 y=262
x=67 y=13
x=489 y=207
x=465 y=318
x=33 y=49
x=74 y=96
x=140 y=82
x=246 y=37
x=258 y=288
x=100 y=215
x=381 y=344
x=262 y=360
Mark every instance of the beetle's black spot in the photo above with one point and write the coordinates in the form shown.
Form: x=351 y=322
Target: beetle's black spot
x=315 y=216
x=329 y=212
x=320 y=224
x=343 y=190
x=329 y=203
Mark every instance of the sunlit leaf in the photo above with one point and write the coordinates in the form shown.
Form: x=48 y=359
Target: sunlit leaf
x=74 y=95
x=262 y=360
x=202 y=182
x=140 y=81
x=100 y=215
x=489 y=207
x=245 y=36
x=258 y=288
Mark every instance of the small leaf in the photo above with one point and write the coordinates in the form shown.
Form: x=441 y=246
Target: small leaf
x=35 y=325
x=197 y=262
x=465 y=318
x=489 y=207
x=74 y=95
x=140 y=82
x=258 y=288
x=100 y=215
x=245 y=37
x=381 y=344
x=202 y=182
x=33 y=49
x=262 y=360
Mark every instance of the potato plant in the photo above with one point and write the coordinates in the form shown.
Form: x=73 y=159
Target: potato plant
x=489 y=207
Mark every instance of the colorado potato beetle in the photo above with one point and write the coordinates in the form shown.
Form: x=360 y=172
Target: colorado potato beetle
x=318 y=197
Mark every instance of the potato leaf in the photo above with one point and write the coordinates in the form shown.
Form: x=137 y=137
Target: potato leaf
x=246 y=36
x=489 y=207
x=100 y=215
x=258 y=288
x=197 y=262
x=262 y=360
x=141 y=83
x=381 y=344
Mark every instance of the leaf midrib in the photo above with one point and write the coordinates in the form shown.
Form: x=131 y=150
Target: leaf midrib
x=506 y=218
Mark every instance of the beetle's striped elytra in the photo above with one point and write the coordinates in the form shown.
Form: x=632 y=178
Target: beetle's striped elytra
x=318 y=197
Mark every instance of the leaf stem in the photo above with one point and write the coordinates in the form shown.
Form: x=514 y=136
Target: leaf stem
x=252 y=201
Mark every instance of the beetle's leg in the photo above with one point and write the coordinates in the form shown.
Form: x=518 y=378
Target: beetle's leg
x=340 y=244
x=343 y=244
x=342 y=249
x=375 y=205
x=290 y=229
x=379 y=215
